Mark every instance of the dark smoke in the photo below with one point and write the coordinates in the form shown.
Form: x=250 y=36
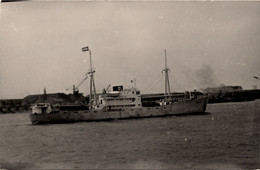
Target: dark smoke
x=205 y=77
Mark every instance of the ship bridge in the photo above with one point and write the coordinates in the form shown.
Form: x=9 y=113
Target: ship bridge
x=120 y=98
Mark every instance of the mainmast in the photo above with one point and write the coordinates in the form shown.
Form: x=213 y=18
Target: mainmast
x=92 y=83
x=167 y=82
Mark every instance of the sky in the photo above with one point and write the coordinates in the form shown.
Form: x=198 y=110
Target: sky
x=208 y=44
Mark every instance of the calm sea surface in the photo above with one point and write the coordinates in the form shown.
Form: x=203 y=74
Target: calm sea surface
x=227 y=138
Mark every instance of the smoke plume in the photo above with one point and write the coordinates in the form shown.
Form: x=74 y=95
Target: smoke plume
x=205 y=77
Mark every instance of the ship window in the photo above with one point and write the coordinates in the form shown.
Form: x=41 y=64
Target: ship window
x=100 y=101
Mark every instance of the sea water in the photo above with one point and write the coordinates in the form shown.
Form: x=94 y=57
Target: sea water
x=227 y=138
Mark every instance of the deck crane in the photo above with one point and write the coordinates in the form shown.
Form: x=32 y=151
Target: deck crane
x=76 y=88
x=106 y=90
x=108 y=87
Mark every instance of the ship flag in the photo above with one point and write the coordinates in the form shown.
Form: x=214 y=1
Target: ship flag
x=256 y=77
x=85 y=49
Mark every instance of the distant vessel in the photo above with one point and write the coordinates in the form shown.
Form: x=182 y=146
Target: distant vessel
x=119 y=103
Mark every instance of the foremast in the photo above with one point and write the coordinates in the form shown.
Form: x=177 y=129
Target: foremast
x=92 y=83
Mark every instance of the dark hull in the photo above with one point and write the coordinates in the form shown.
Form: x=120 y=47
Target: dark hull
x=176 y=108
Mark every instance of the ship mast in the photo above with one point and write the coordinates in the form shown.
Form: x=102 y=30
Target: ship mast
x=92 y=83
x=167 y=82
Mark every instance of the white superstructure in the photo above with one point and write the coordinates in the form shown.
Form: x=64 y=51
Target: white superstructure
x=120 y=98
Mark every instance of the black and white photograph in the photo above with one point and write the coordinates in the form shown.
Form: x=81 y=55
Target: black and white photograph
x=129 y=84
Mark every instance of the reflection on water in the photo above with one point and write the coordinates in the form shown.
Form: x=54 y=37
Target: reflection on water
x=226 y=138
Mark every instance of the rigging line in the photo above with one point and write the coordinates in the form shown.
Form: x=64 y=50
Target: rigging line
x=159 y=75
x=173 y=78
x=179 y=85
x=152 y=86
x=155 y=83
x=82 y=79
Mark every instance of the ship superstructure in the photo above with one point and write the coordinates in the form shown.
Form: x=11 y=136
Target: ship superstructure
x=120 y=98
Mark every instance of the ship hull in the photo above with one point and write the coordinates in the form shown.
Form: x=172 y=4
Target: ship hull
x=194 y=106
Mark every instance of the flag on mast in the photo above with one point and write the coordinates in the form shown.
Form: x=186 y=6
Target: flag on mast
x=256 y=77
x=85 y=49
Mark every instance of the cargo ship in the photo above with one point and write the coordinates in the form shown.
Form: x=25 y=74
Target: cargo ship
x=119 y=103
